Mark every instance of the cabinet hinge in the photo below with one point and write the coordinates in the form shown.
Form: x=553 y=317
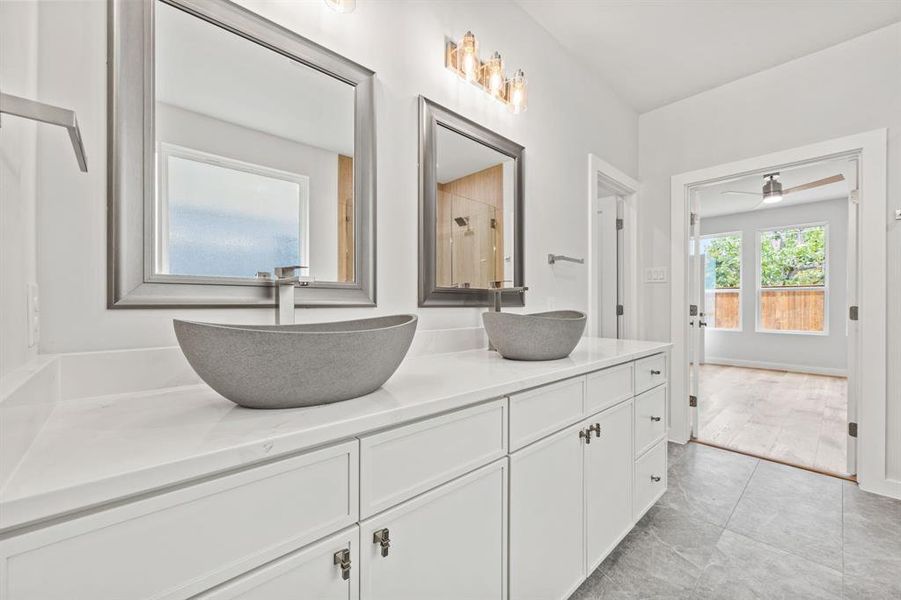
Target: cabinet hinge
x=619 y=310
x=852 y=429
x=619 y=224
x=693 y=310
x=692 y=401
x=854 y=313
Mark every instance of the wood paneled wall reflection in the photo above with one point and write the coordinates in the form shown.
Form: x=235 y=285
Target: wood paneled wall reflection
x=470 y=232
x=345 y=218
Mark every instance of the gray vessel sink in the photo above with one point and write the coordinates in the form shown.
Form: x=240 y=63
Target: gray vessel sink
x=538 y=336
x=289 y=366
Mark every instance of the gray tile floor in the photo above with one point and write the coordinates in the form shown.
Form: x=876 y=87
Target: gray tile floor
x=734 y=527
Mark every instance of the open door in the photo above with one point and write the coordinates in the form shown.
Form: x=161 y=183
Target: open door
x=608 y=275
x=854 y=198
x=695 y=312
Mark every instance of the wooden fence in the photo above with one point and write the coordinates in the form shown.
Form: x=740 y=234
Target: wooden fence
x=780 y=310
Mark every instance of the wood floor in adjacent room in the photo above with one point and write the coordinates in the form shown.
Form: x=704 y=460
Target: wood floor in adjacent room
x=792 y=417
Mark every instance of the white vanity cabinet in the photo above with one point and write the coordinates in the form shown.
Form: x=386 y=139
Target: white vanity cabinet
x=513 y=498
x=447 y=544
x=608 y=479
x=547 y=532
x=570 y=503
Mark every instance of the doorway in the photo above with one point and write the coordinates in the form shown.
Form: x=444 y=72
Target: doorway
x=867 y=375
x=772 y=351
x=613 y=250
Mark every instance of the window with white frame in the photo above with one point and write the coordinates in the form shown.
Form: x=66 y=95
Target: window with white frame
x=219 y=217
x=792 y=279
x=722 y=280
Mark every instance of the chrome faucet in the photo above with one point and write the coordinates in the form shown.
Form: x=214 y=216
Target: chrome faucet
x=286 y=279
x=496 y=293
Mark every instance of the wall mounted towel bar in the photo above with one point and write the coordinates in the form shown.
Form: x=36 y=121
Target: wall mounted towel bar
x=552 y=258
x=45 y=113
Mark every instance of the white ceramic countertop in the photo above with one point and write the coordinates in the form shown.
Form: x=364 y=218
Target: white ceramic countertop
x=96 y=450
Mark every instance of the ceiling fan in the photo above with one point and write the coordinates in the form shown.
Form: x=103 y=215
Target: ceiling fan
x=772 y=191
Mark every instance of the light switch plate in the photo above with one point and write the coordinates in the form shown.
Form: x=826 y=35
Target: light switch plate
x=656 y=275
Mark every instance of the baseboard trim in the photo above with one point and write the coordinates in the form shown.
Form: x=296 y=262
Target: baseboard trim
x=754 y=364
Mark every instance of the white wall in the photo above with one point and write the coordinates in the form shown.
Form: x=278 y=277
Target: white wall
x=18 y=148
x=795 y=352
x=201 y=132
x=570 y=114
x=847 y=89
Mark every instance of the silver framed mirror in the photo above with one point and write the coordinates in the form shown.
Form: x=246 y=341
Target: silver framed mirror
x=235 y=146
x=471 y=218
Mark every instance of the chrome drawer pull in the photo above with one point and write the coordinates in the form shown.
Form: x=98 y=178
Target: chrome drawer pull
x=655 y=372
x=381 y=538
x=342 y=558
x=655 y=419
x=586 y=435
x=655 y=478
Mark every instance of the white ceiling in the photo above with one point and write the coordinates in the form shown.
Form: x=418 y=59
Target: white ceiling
x=714 y=203
x=654 y=52
x=205 y=69
x=459 y=156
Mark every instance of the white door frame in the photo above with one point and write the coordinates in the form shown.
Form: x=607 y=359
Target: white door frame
x=871 y=147
x=628 y=189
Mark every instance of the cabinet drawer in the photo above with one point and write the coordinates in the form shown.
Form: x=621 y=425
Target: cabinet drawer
x=650 y=418
x=540 y=412
x=650 y=372
x=312 y=570
x=180 y=543
x=650 y=478
x=397 y=464
x=608 y=387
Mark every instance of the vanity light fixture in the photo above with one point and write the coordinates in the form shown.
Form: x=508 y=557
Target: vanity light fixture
x=463 y=59
x=341 y=6
x=517 y=96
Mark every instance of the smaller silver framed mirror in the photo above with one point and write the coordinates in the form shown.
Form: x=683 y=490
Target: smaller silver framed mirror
x=471 y=221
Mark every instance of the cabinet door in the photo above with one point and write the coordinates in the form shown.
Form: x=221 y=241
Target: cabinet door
x=450 y=543
x=547 y=556
x=313 y=572
x=608 y=482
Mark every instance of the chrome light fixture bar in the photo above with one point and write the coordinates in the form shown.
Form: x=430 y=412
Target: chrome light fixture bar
x=462 y=57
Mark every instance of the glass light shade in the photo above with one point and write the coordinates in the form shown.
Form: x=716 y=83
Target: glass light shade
x=517 y=97
x=341 y=6
x=493 y=78
x=772 y=198
x=468 y=57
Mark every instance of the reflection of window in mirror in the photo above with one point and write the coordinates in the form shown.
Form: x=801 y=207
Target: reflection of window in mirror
x=474 y=213
x=254 y=158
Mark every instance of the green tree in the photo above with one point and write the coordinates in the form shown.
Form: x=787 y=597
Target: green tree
x=725 y=253
x=793 y=257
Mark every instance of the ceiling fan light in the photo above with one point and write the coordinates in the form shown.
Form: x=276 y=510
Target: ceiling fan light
x=772 y=189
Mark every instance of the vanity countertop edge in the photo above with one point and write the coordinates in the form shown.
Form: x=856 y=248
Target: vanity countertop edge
x=95 y=451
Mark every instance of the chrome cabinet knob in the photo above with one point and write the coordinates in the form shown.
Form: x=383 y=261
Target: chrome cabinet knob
x=655 y=419
x=655 y=372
